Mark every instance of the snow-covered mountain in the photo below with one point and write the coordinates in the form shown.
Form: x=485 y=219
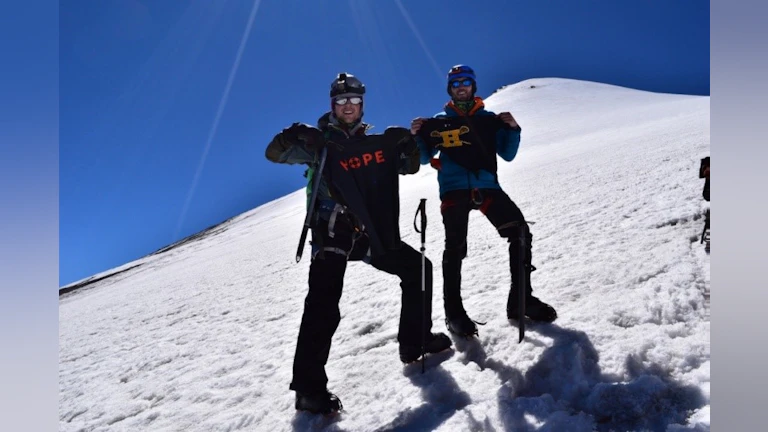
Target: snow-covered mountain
x=200 y=336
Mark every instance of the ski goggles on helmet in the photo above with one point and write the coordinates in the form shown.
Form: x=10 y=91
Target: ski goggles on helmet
x=458 y=83
x=354 y=100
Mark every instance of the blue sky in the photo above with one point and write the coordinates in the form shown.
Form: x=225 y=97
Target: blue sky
x=166 y=107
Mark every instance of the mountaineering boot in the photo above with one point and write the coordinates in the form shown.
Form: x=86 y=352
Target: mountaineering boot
x=461 y=325
x=456 y=319
x=535 y=309
x=434 y=343
x=322 y=402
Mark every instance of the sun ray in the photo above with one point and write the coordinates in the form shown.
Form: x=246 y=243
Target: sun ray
x=219 y=111
x=423 y=44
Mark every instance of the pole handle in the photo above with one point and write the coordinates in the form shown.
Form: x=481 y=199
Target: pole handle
x=421 y=210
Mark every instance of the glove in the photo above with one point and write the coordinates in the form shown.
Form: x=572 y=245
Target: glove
x=276 y=148
x=312 y=138
x=397 y=134
x=409 y=156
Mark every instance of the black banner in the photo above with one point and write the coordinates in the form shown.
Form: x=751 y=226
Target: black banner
x=468 y=141
x=364 y=172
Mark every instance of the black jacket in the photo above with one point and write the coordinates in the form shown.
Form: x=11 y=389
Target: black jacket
x=361 y=172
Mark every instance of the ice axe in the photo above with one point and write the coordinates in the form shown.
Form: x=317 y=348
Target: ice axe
x=318 y=175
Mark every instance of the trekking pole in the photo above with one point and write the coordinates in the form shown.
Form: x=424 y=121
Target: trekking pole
x=422 y=209
x=521 y=292
x=318 y=175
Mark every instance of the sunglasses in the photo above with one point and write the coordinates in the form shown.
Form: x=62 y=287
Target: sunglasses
x=458 y=83
x=353 y=100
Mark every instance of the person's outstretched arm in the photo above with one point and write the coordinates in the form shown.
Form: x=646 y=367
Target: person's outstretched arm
x=297 y=144
x=508 y=138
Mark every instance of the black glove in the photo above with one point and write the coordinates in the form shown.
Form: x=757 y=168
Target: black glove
x=409 y=156
x=397 y=134
x=402 y=138
x=276 y=148
x=312 y=138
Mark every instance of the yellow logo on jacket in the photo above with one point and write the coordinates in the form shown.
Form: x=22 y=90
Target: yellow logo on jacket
x=451 y=138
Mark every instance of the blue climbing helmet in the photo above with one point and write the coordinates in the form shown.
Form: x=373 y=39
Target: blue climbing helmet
x=461 y=71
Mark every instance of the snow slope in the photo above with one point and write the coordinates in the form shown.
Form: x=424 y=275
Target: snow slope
x=200 y=336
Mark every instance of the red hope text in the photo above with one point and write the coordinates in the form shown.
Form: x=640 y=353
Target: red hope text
x=366 y=158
